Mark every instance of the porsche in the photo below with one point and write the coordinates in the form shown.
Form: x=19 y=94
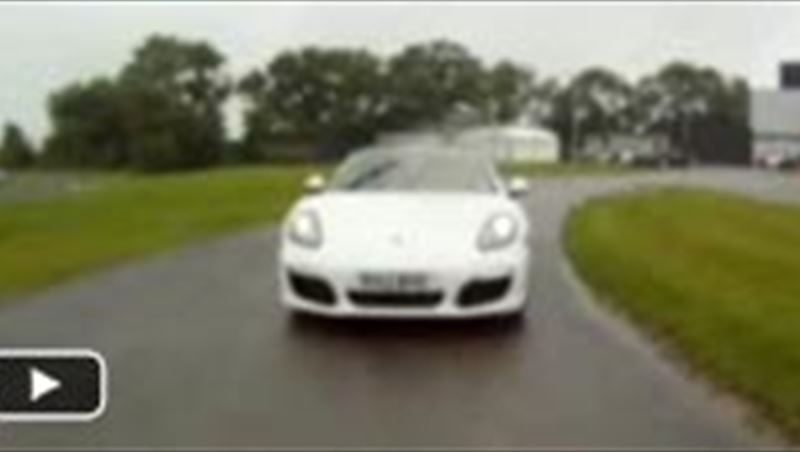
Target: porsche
x=407 y=233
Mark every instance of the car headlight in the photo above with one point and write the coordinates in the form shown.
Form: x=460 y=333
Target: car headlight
x=499 y=231
x=305 y=229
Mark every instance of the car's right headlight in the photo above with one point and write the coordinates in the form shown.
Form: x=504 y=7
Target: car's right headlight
x=499 y=231
x=305 y=229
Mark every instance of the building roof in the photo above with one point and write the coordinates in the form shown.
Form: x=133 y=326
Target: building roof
x=775 y=111
x=527 y=132
x=514 y=132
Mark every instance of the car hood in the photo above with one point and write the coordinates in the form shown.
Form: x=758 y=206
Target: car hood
x=405 y=227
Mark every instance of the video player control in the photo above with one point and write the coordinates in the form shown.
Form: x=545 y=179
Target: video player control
x=51 y=385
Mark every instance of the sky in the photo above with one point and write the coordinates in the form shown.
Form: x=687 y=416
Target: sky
x=44 y=46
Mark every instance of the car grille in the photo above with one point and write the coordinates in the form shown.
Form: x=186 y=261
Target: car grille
x=396 y=300
x=312 y=288
x=483 y=291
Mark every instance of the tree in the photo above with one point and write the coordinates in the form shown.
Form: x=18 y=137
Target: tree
x=88 y=126
x=174 y=91
x=542 y=103
x=163 y=111
x=427 y=82
x=599 y=102
x=509 y=90
x=724 y=135
x=696 y=107
x=16 y=151
x=333 y=97
x=673 y=97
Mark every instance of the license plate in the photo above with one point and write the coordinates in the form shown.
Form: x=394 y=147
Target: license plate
x=393 y=282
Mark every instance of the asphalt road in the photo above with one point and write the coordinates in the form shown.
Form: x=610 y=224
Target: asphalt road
x=200 y=354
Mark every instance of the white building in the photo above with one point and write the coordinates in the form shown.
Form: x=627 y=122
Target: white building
x=512 y=143
x=775 y=121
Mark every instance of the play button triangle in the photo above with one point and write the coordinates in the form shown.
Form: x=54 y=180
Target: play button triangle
x=41 y=384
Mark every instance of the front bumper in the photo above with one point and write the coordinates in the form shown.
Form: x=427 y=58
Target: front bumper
x=449 y=296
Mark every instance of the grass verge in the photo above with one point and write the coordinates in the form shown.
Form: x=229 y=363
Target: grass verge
x=34 y=186
x=51 y=240
x=714 y=275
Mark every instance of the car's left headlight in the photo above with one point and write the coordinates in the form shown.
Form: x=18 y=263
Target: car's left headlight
x=305 y=229
x=499 y=231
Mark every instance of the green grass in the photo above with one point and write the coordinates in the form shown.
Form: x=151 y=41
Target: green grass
x=714 y=275
x=46 y=241
x=31 y=186
x=565 y=169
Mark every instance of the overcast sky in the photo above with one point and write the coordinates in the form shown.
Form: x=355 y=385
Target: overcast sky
x=43 y=46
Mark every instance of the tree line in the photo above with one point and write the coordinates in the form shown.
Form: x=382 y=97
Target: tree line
x=164 y=109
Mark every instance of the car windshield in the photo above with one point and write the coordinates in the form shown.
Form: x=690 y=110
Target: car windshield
x=411 y=170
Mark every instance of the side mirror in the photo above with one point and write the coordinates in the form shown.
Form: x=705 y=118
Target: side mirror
x=517 y=187
x=314 y=183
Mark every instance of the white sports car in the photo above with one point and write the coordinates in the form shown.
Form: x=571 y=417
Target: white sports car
x=407 y=233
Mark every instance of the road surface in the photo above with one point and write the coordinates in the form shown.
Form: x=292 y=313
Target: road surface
x=200 y=354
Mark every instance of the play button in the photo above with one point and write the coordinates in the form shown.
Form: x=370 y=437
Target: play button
x=42 y=384
x=51 y=385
